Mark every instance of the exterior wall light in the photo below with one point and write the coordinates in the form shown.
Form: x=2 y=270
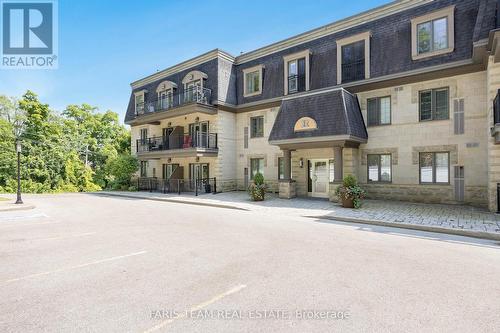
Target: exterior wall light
x=301 y=162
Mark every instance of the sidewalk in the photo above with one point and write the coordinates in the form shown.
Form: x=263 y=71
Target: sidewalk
x=452 y=219
x=7 y=204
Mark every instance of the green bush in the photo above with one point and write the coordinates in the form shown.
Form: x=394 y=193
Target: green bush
x=257 y=189
x=121 y=168
x=258 y=179
x=350 y=190
x=132 y=188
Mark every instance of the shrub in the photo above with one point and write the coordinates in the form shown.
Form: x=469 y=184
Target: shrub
x=350 y=190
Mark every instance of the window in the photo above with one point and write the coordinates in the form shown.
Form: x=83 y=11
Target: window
x=433 y=34
x=144 y=168
x=168 y=170
x=353 y=58
x=257 y=127
x=434 y=168
x=379 y=168
x=296 y=72
x=434 y=104
x=256 y=165
x=252 y=84
x=353 y=62
x=297 y=75
x=379 y=111
x=144 y=135
x=139 y=102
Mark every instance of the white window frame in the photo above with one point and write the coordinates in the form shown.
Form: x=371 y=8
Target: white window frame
x=286 y=59
x=449 y=13
x=246 y=71
x=349 y=40
x=142 y=94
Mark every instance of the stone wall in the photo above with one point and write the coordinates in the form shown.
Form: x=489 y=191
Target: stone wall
x=493 y=81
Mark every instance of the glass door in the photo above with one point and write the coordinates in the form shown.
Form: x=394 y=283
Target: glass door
x=198 y=175
x=199 y=134
x=320 y=178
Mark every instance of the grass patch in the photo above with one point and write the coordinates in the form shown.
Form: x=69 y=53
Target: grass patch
x=3 y=199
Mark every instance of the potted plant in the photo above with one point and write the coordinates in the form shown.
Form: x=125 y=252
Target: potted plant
x=350 y=193
x=257 y=189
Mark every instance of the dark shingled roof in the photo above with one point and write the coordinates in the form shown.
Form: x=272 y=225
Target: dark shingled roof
x=336 y=112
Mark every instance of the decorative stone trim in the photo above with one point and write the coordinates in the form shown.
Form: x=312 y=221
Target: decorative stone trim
x=392 y=151
x=453 y=149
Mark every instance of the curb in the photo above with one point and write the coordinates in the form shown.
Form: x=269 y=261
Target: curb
x=459 y=232
x=13 y=207
x=187 y=202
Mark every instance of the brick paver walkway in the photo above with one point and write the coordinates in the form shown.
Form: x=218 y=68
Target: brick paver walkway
x=454 y=217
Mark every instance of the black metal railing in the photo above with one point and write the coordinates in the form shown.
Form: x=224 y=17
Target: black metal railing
x=196 y=186
x=296 y=83
x=173 y=141
x=170 y=101
x=353 y=71
x=496 y=108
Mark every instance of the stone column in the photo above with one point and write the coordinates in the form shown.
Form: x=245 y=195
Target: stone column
x=338 y=164
x=287 y=164
x=287 y=186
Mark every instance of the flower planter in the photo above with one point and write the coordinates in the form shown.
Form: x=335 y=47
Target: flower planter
x=347 y=203
x=258 y=194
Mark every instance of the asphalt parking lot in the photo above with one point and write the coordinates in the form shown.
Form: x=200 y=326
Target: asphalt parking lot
x=82 y=262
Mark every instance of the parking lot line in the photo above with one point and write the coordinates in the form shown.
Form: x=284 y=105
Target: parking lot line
x=75 y=267
x=197 y=307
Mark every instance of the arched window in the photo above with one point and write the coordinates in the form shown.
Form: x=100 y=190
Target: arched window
x=193 y=86
x=165 y=93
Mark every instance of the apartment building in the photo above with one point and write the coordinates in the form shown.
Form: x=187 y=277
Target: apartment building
x=401 y=96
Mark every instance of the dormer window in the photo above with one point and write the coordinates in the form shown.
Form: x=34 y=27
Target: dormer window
x=353 y=58
x=433 y=34
x=252 y=84
x=139 y=101
x=193 y=87
x=296 y=72
x=165 y=93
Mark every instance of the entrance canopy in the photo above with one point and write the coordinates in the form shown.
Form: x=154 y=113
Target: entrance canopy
x=319 y=119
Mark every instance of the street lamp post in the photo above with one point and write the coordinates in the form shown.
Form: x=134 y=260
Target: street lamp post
x=18 y=150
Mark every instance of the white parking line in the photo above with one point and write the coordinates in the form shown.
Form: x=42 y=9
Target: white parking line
x=75 y=267
x=197 y=307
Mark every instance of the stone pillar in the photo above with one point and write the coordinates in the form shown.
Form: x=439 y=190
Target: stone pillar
x=287 y=164
x=287 y=186
x=338 y=164
x=287 y=189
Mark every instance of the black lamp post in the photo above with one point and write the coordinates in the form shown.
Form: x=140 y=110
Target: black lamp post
x=18 y=150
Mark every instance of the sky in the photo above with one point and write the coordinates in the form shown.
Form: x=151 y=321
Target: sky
x=104 y=45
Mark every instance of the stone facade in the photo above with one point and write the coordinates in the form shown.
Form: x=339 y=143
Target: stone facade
x=393 y=73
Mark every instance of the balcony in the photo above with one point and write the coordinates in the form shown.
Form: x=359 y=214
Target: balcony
x=353 y=71
x=193 y=95
x=179 y=145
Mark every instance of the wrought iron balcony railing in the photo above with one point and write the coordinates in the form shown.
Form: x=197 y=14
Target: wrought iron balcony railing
x=170 y=101
x=353 y=71
x=296 y=83
x=183 y=141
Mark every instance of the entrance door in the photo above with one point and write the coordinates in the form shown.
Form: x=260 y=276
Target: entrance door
x=199 y=134
x=320 y=176
x=198 y=174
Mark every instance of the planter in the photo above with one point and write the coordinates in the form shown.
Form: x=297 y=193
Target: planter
x=347 y=203
x=258 y=194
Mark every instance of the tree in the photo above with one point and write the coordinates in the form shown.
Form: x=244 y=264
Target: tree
x=61 y=152
x=121 y=168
